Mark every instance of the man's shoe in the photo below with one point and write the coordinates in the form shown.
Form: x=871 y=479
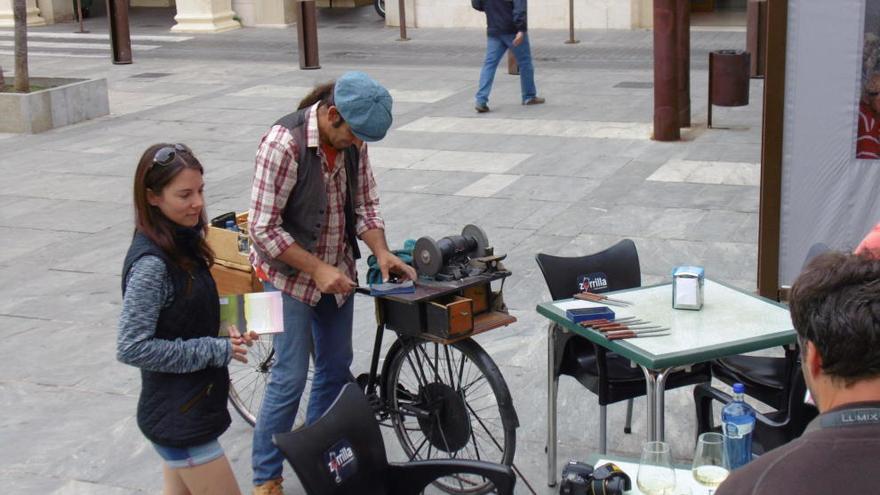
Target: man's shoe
x=481 y=108
x=537 y=100
x=271 y=487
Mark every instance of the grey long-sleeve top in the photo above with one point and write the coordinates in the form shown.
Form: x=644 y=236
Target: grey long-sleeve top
x=149 y=289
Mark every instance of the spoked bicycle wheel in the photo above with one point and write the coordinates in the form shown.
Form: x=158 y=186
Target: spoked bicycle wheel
x=247 y=383
x=450 y=402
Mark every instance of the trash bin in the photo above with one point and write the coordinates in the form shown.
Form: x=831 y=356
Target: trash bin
x=728 y=79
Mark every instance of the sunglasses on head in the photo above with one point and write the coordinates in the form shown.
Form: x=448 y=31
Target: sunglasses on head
x=166 y=154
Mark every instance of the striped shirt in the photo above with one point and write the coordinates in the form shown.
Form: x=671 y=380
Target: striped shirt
x=148 y=290
x=274 y=179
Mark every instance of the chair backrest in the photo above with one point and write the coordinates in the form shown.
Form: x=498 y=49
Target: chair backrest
x=342 y=452
x=619 y=265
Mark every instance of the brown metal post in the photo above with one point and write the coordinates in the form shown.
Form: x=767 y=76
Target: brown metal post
x=512 y=66
x=666 y=111
x=571 y=39
x=401 y=9
x=711 y=84
x=120 y=36
x=756 y=36
x=307 y=35
x=684 y=62
x=79 y=14
x=769 y=221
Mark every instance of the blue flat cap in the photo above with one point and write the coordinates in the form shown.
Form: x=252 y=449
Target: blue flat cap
x=364 y=104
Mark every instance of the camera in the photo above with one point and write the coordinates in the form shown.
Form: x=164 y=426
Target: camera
x=579 y=478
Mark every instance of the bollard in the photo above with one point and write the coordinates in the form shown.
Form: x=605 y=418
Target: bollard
x=120 y=36
x=728 y=79
x=683 y=46
x=307 y=35
x=401 y=9
x=666 y=111
x=571 y=39
x=79 y=15
x=512 y=66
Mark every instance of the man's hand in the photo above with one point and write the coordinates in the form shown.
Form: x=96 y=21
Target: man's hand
x=331 y=280
x=388 y=263
x=519 y=38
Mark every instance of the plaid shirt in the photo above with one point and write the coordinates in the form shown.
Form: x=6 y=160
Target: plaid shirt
x=274 y=179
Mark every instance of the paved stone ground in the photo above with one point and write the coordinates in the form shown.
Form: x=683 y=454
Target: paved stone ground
x=569 y=177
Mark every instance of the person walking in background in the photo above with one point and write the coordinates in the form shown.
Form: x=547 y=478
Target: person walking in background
x=313 y=195
x=506 y=29
x=170 y=322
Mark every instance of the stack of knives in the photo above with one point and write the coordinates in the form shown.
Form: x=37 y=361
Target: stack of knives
x=625 y=328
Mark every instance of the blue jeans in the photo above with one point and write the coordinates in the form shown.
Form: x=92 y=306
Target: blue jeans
x=329 y=328
x=495 y=48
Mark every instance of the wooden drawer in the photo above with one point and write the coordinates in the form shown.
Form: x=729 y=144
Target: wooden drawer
x=479 y=294
x=404 y=318
x=232 y=281
x=450 y=316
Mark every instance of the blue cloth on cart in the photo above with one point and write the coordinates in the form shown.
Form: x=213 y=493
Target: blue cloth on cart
x=374 y=274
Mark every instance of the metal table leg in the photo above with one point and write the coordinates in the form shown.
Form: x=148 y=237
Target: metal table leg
x=656 y=390
x=552 y=389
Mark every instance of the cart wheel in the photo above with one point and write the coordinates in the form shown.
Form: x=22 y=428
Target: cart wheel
x=247 y=383
x=444 y=404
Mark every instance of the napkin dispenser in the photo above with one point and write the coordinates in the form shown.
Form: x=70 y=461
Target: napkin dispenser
x=687 y=287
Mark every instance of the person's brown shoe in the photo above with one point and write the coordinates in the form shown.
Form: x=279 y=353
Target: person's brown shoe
x=537 y=100
x=271 y=487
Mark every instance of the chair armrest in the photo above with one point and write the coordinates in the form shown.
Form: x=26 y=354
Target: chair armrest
x=414 y=477
x=707 y=392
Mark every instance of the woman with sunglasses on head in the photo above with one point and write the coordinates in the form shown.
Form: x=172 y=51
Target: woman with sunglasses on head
x=170 y=322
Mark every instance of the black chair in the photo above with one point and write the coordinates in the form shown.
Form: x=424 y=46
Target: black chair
x=611 y=377
x=343 y=453
x=771 y=429
x=765 y=378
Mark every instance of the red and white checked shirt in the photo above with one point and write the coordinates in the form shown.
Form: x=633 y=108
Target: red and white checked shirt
x=868 y=140
x=274 y=179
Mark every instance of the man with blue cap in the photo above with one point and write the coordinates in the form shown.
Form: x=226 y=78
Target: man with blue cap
x=313 y=196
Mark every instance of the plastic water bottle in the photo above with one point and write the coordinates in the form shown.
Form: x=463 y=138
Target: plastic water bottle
x=739 y=423
x=230 y=225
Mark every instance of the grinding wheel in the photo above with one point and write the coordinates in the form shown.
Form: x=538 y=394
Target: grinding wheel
x=427 y=257
x=478 y=235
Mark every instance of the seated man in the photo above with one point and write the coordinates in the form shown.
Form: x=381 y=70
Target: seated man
x=835 y=308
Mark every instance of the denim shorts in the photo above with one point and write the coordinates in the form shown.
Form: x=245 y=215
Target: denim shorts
x=177 y=458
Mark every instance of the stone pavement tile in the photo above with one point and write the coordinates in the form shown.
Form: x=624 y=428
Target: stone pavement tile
x=489 y=185
x=469 y=161
x=549 y=188
x=745 y=200
x=384 y=157
x=16 y=242
x=747 y=231
x=725 y=226
x=63 y=215
x=59 y=295
x=75 y=487
x=426 y=181
x=638 y=168
x=25 y=482
x=614 y=190
x=106 y=189
x=676 y=223
x=728 y=152
x=101 y=252
x=127 y=102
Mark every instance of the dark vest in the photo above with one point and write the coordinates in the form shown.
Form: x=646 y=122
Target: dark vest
x=303 y=216
x=182 y=409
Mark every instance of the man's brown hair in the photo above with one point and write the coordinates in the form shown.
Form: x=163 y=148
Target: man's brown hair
x=835 y=304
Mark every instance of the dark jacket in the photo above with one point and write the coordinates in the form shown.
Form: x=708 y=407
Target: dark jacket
x=182 y=409
x=503 y=16
x=304 y=213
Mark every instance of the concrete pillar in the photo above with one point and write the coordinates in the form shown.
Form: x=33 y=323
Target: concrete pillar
x=54 y=11
x=204 y=16
x=266 y=13
x=33 y=14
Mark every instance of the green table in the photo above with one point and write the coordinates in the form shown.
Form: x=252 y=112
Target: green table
x=731 y=322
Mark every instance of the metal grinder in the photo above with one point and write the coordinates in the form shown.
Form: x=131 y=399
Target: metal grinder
x=448 y=258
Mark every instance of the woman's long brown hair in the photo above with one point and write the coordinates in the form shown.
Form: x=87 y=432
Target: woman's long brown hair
x=150 y=220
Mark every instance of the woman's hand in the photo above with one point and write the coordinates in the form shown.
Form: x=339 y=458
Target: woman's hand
x=240 y=342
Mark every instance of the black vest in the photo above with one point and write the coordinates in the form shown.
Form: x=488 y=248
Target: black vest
x=188 y=409
x=303 y=216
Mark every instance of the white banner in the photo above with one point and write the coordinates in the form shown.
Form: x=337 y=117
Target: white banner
x=828 y=194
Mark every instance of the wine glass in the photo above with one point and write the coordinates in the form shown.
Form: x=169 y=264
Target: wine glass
x=656 y=475
x=711 y=465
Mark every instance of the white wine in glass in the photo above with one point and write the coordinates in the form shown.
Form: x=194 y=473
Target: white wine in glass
x=656 y=475
x=711 y=466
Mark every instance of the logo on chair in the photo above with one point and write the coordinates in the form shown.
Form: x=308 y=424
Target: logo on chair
x=341 y=461
x=593 y=282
